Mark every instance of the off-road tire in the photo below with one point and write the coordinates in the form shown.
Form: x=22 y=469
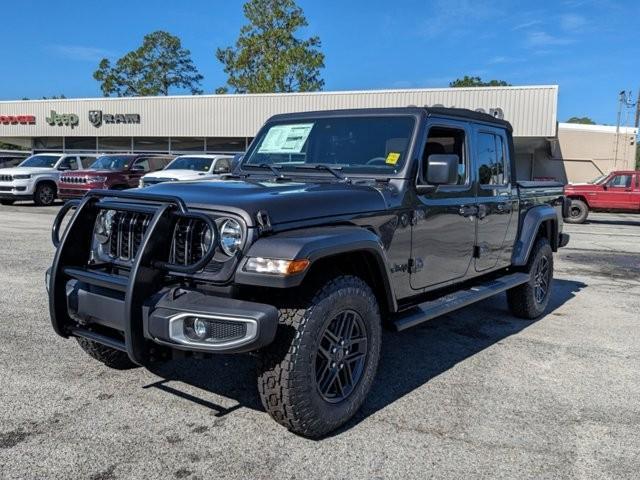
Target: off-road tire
x=286 y=369
x=578 y=212
x=522 y=299
x=40 y=197
x=109 y=356
x=6 y=201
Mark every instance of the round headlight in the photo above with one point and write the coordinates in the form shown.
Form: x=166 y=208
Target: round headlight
x=230 y=236
x=102 y=230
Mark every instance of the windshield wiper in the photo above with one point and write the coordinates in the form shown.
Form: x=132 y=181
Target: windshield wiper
x=322 y=166
x=267 y=166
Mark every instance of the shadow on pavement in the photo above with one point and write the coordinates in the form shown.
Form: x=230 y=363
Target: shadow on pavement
x=409 y=359
x=626 y=222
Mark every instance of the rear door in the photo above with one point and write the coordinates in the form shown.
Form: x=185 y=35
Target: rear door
x=494 y=194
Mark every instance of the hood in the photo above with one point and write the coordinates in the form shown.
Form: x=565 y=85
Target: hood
x=582 y=187
x=283 y=201
x=181 y=174
x=28 y=170
x=90 y=173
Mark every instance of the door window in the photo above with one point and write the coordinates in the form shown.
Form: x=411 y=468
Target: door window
x=87 y=161
x=70 y=163
x=620 y=181
x=143 y=162
x=492 y=165
x=444 y=141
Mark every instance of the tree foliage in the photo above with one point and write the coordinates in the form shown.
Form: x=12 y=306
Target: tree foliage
x=582 y=120
x=154 y=68
x=268 y=56
x=467 y=81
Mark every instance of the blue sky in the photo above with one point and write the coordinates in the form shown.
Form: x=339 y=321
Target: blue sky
x=591 y=48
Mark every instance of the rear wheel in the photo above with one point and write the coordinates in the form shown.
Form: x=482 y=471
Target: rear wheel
x=45 y=194
x=578 y=212
x=109 y=356
x=6 y=201
x=530 y=299
x=317 y=373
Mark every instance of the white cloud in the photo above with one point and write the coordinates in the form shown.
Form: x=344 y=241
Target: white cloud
x=572 y=22
x=81 y=53
x=528 y=24
x=543 y=39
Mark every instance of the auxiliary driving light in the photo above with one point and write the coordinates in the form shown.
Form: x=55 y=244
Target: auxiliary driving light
x=200 y=328
x=211 y=331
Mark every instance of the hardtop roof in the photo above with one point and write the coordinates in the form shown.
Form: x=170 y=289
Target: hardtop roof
x=455 y=113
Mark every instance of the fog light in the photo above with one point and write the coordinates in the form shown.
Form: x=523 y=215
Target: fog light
x=200 y=327
x=276 y=266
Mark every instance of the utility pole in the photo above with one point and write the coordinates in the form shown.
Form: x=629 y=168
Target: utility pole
x=622 y=100
x=637 y=122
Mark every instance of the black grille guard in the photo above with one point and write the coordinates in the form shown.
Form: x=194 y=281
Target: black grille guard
x=146 y=274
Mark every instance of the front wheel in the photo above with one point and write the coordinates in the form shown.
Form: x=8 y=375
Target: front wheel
x=578 y=212
x=45 y=195
x=530 y=299
x=317 y=373
x=111 y=357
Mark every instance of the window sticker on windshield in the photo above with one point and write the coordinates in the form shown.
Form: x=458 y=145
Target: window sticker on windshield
x=286 y=138
x=392 y=158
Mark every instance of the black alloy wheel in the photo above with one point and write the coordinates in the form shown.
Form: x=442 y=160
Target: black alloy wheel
x=341 y=356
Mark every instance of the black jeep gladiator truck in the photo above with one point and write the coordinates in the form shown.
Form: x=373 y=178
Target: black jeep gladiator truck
x=333 y=224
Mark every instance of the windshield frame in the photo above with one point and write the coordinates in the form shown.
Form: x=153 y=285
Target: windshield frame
x=212 y=161
x=54 y=165
x=131 y=159
x=401 y=173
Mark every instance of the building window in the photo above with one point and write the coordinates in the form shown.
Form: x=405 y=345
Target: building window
x=80 y=143
x=151 y=144
x=48 y=143
x=114 y=144
x=184 y=144
x=226 y=144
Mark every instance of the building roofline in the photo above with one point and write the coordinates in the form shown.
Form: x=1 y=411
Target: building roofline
x=597 y=128
x=292 y=94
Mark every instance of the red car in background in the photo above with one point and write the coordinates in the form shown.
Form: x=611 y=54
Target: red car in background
x=618 y=191
x=117 y=172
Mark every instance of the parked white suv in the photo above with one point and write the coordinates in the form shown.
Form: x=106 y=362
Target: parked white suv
x=190 y=167
x=37 y=176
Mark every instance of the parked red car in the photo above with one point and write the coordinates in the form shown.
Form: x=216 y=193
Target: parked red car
x=117 y=172
x=616 y=192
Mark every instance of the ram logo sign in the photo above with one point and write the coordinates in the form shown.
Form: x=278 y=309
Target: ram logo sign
x=97 y=118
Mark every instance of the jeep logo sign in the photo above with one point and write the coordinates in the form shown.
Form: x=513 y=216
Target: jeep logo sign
x=97 y=118
x=63 y=119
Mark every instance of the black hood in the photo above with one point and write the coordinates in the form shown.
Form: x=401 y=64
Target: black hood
x=283 y=201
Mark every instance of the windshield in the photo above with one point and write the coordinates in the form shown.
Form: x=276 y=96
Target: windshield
x=111 y=162
x=41 y=161
x=191 y=163
x=598 y=180
x=375 y=145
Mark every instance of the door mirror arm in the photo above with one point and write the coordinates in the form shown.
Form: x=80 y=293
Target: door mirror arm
x=422 y=189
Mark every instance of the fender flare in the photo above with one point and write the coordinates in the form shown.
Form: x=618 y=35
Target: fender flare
x=531 y=223
x=315 y=244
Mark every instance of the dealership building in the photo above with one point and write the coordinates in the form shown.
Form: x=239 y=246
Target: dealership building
x=227 y=123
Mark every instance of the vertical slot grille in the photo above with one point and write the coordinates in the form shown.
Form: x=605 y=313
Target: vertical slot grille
x=189 y=242
x=127 y=231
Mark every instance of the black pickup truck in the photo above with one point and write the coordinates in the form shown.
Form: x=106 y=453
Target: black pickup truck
x=333 y=224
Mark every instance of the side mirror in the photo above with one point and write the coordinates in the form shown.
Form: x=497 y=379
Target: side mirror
x=221 y=167
x=137 y=168
x=442 y=169
x=62 y=168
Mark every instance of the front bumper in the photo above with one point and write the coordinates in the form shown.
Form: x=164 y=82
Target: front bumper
x=133 y=309
x=17 y=189
x=67 y=191
x=235 y=326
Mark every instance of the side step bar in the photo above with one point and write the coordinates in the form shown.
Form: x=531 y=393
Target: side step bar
x=448 y=303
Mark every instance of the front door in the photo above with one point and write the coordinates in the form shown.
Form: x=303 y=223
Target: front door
x=616 y=193
x=495 y=202
x=444 y=224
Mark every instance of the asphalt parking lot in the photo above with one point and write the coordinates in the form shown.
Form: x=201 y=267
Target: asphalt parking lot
x=477 y=393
